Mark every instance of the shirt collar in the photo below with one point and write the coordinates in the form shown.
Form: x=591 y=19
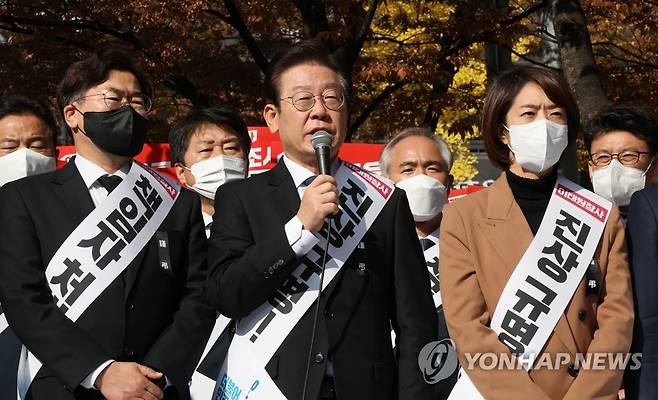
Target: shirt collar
x=300 y=173
x=90 y=171
x=434 y=236
x=207 y=218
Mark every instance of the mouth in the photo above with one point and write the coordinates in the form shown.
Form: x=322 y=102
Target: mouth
x=312 y=131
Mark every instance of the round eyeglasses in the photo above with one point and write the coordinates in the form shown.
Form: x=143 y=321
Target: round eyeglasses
x=304 y=101
x=113 y=100
x=629 y=157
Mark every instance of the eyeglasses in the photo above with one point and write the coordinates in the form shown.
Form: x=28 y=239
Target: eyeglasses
x=303 y=101
x=113 y=100
x=625 y=158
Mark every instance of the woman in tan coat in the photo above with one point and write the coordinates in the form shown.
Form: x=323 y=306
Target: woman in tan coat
x=528 y=119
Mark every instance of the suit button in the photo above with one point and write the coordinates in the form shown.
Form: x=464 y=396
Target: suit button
x=278 y=263
x=319 y=357
x=130 y=306
x=129 y=352
x=267 y=275
x=573 y=371
x=582 y=314
x=328 y=314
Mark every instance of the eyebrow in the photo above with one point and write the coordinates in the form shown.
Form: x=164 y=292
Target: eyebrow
x=113 y=89
x=535 y=106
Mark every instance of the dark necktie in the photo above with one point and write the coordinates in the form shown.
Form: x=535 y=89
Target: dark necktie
x=426 y=243
x=307 y=181
x=109 y=182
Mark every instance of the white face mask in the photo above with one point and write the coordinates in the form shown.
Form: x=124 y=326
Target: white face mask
x=426 y=196
x=212 y=173
x=24 y=162
x=538 y=146
x=617 y=182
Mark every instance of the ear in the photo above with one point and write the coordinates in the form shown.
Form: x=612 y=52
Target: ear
x=71 y=117
x=504 y=136
x=590 y=168
x=180 y=173
x=271 y=117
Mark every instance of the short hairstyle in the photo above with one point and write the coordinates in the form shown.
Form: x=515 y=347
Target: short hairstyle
x=306 y=52
x=622 y=118
x=385 y=157
x=21 y=105
x=94 y=70
x=179 y=136
x=499 y=100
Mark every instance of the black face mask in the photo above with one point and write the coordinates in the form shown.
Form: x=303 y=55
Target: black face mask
x=121 y=132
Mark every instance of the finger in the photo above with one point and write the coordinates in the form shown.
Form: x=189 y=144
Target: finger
x=153 y=391
x=329 y=197
x=149 y=372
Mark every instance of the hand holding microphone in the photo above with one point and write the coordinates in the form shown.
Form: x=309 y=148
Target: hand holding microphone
x=321 y=197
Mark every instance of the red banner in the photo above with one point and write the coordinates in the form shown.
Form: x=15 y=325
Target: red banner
x=265 y=150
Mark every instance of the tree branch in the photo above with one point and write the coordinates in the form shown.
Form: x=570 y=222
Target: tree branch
x=128 y=36
x=376 y=102
x=236 y=21
x=526 y=58
x=466 y=41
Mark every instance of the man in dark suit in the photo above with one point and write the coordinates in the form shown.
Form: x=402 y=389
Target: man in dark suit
x=265 y=224
x=642 y=227
x=143 y=334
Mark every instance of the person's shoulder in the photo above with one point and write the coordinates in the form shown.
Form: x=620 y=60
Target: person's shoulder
x=472 y=203
x=649 y=192
x=30 y=183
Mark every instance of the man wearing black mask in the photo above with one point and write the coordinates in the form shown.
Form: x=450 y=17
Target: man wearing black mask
x=104 y=286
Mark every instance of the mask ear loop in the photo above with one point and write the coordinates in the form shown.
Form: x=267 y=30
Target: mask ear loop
x=649 y=167
x=509 y=141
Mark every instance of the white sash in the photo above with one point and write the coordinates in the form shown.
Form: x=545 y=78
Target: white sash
x=432 y=261
x=102 y=246
x=201 y=386
x=258 y=336
x=547 y=275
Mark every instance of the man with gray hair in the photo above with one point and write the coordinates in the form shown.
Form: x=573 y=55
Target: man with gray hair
x=419 y=162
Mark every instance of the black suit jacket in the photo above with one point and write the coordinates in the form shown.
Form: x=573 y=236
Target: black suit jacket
x=642 y=239
x=148 y=315
x=249 y=258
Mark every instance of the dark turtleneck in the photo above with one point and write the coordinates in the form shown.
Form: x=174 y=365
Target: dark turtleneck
x=532 y=196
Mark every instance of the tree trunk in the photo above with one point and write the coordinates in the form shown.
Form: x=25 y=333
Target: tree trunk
x=577 y=59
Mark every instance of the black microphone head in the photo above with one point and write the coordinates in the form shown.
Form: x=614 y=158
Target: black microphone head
x=321 y=139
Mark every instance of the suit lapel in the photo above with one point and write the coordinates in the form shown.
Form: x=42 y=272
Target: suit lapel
x=510 y=235
x=284 y=193
x=72 y=192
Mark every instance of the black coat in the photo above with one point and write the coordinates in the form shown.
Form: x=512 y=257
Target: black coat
x=148 y=315
x=249 y=258
x=642 y=239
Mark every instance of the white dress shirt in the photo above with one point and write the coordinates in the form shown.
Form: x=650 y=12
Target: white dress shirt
x=207 y=221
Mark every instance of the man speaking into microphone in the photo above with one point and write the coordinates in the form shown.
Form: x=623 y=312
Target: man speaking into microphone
x=269 y=252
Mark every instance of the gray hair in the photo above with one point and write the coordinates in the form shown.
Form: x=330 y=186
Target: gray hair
x=385 y=157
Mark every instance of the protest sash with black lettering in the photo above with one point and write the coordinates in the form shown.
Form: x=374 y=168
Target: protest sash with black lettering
x=258 y=336
x=102 y=246
x=431 y=255
x=547 y=276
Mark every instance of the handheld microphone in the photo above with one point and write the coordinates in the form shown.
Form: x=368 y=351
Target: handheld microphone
x=321 y=142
